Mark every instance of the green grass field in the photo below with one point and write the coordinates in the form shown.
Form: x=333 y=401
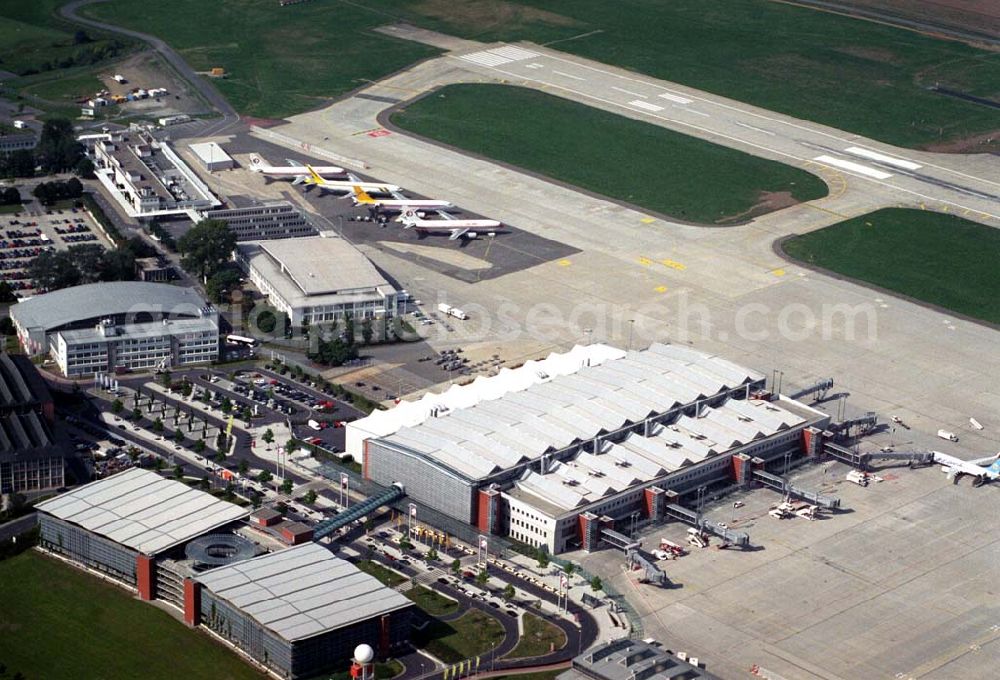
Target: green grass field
x=64 y=88
x=855 y=75
x=643 y=164
x=936 y=258
x=383 y=574
x=467 y=637
x=57 y=622
x=280 y=60
x=539 y=638
x=431 y=601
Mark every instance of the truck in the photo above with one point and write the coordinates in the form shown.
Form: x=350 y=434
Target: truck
x=314 y=425
x=673 y=548
x=448 y=310
x=697 y=538
x=950 y=436
x=858 y=477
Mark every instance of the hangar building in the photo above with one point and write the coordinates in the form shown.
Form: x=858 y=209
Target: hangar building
x=547 y=460
x=299 y=611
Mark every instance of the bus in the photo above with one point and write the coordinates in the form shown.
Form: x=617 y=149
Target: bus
x=242 y=340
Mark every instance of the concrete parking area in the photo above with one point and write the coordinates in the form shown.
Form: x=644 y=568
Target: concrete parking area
x=899 y=583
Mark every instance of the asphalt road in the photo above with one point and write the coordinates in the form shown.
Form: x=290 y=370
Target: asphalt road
x=207 y=91
x=17 y=526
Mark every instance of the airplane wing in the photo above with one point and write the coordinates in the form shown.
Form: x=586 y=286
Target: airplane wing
x=294 y=164
x=398 y=195
x=445 y=215
x=458 y=233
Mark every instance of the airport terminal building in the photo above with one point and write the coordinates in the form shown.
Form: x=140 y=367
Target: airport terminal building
x=316 y=280
x=101 y=327
x=549 y=454
x=264 y=222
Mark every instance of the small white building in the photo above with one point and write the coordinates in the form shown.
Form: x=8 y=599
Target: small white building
x=212 y=156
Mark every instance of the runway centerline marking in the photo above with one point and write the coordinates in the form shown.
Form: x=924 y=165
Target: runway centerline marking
x=567 y=75
x=755 y=129
x=634 y=94
x=697 y=113
x=675 y=98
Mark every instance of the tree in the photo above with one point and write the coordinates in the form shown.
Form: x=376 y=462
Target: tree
x=404 y=543
x=432 y=555
x=57 y=149
x=310 y=497
x=243 y=467
x=167 y=379
x=178 y=471
x=596 y=584
x=159 y=464
x=6 y=325
x=569 y=568
x=222 y=283
x=178 y=436
x=543 y=559
x=266 y=321
x=85 y=168
x=226 y=405
x=509 y=592
x=482 y=577
x=206 y=247
x=268 y=436
x=286 y=487
x=11 y=196
x=21 y=163
x=117 y=406
x=186 y=388
x=136 y=414
x=221 y=442
x=87 y=259
x=198 y=446
x=7 y=293
x=366 y=331
x=157 y=425
x=81 y=38
x=264 y=477
x=54 y=270
x=205 y=484
x=291 y=446
x=348 y=328
x=246 y=414
x=456 y=566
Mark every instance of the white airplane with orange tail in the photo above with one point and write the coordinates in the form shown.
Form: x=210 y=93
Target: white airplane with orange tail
x=292 y=170
x=398 y=202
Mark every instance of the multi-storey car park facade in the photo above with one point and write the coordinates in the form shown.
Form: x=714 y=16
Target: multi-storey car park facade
x=297 y=612
x=135 y=325
x=32 y=458
x=317 y=280
x=552 y=450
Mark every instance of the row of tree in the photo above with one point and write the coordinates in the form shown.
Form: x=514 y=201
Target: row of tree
x=10 y=196
x=87 y=263
x=57 y=151
x=48 y=193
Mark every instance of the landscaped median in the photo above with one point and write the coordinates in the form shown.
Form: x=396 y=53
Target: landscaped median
x=932 y=257
x=648 y=166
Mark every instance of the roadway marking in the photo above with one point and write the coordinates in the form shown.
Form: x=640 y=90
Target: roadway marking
x=515 y=53
x=660 y=289
x=778 y=272
x=755 y=129
x=645 y=261
x=564 y=263
x=673 y=265
x=639 y=104
x=697 y=113
x=675 y=98
x=888 y=160
x=647 y=220
x=534 y=65
x=499 y=55
x=634 y=94
x=568 y=75
x=854 y=167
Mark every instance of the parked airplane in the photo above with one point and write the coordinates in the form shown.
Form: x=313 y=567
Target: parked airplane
x=984 y=469
x=457 y=228
x=398 y=202
x=348 y=185
x=293 y=169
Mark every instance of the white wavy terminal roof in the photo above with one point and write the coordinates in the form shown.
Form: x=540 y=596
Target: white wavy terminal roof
x=588 y=478
x=303 y=591
x=575 y=397
x=142 y=510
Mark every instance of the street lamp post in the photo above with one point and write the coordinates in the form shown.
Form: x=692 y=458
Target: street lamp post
x=631 y=325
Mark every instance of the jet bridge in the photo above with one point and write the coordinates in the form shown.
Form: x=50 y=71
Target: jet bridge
x=864 y=424
x=820 y=388
x=652 y=573
x=782 y=485
x=680 y=513
x=862 y=461
x=617 y=539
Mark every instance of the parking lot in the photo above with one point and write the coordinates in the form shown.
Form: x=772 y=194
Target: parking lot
x=25 y=235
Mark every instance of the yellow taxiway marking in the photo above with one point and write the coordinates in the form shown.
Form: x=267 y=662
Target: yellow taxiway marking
x=660 y=289
x=564 y=263
x=647 y=220
x=673 y=264
x=645 y=261
x=778 y=272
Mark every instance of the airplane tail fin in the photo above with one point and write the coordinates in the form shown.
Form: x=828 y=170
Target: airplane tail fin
x=314 y=177
x=256 y=163
x=409 y=218
x=361 y=197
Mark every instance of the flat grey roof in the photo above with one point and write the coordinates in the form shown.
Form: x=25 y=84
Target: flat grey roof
x=153 y=329
x=210 y=152
x=627 y=659
x=96 y=300
x=142 y=510
x=302 y=592
x=312 y=266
